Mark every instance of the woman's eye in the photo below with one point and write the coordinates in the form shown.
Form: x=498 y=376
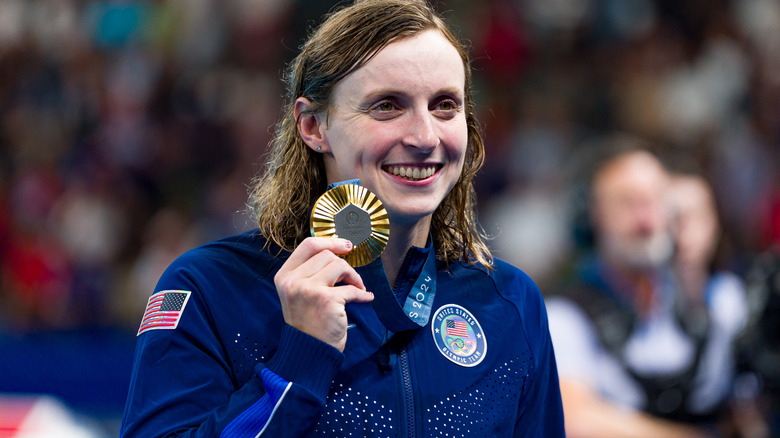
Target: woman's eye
x=385 y=110
x=447 y=108
x=385 y=106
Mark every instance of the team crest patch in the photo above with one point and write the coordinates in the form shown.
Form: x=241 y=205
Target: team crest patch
x=163 y=310
x=458 y=335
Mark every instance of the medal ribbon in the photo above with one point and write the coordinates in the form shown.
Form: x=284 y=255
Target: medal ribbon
x=341 y=183
x=416 y=310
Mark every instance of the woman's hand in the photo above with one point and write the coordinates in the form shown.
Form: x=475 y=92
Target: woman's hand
x=306 y=284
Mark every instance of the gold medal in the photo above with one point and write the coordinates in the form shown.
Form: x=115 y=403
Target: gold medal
x=352 y=212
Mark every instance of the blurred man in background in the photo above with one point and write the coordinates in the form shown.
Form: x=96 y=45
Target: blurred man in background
x=636 y=356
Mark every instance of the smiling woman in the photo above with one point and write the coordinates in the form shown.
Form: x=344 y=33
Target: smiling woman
x=340 y=48
x=280 y=335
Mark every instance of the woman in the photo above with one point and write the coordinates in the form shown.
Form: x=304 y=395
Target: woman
x=272 y=333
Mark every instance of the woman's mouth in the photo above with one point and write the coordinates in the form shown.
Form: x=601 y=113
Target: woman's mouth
x=413 y=173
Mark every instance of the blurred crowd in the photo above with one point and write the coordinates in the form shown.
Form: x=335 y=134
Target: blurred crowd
x=699 y=79
x=129 y=130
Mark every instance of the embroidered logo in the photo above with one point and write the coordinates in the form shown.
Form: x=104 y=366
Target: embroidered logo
x=163 y=310
x=458 y=335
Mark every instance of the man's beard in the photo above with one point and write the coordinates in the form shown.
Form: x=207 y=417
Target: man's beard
x=639 y=253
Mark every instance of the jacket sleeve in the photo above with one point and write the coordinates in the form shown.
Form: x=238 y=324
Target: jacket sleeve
x=541 y=410
x=182 y=384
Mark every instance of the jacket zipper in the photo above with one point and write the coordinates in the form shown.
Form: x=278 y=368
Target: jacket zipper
x=408 y=394
x=406 y=375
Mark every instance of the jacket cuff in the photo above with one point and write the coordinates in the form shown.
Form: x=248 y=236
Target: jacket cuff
x=305 y=360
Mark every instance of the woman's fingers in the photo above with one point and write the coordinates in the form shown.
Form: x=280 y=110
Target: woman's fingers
x=329 y=268
x=352 y=294
x=313 y=245
x=307 y=287
x=338 y=270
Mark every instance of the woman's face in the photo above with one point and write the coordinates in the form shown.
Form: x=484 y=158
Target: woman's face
x=398 y=124
x=694 y=221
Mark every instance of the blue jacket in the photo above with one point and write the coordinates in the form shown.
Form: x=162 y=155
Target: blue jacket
x=227 y=365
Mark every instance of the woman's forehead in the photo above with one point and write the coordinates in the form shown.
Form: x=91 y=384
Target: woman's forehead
x=420 y=62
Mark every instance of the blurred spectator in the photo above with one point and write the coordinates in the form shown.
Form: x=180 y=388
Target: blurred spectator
x=758 y=389
x=759 y=386
x=637 y=356
x=696 y=230
x=36 y=282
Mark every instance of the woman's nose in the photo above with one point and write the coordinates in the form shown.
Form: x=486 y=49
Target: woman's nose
x=421 y=132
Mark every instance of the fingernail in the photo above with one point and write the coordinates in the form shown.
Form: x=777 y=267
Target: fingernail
x=348 y=244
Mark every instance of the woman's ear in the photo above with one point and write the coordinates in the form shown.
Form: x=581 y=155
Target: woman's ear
x=310 y=125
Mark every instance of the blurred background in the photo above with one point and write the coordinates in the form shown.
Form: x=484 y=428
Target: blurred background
x=129 y=131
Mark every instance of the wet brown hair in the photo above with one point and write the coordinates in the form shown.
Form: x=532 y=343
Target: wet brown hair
x=294 y=177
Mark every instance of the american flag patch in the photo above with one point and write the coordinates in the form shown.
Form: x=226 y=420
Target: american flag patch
x=164 y=310
x=456 y=327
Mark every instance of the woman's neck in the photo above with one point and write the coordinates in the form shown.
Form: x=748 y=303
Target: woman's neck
x=401 y=239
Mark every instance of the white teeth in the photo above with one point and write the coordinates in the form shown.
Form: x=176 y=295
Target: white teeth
x=413 y=173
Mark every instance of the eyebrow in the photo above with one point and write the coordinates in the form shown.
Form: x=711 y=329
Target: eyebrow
x=455 y=92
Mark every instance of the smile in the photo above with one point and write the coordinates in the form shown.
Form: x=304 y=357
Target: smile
x=413 y=173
